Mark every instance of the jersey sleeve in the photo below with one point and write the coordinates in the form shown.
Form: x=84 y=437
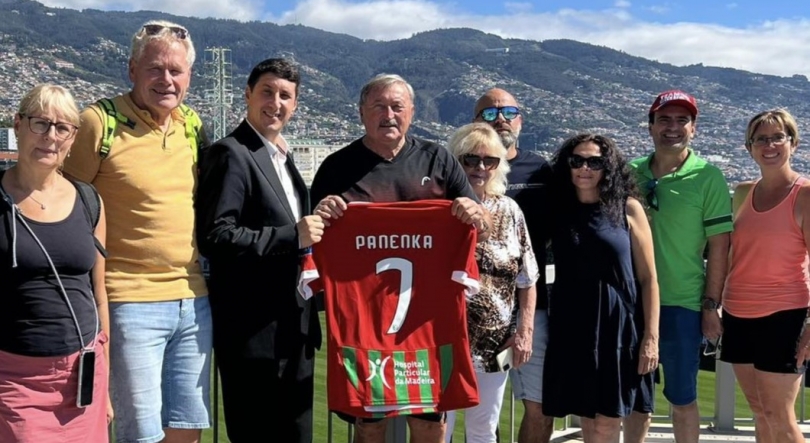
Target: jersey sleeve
x=466 y=269
x=309 y=282
x=84 y=161
x=717 y=217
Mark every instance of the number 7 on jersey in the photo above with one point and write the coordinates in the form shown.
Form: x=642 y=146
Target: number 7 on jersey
x=405 y=269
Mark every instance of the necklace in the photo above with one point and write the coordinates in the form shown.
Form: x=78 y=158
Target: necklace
x=41 y=205
x=30 y=194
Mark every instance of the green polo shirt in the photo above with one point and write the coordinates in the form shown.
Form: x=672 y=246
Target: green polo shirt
x=693 y=204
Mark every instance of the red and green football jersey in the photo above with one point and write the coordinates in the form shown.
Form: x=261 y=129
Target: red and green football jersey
x=395 y=278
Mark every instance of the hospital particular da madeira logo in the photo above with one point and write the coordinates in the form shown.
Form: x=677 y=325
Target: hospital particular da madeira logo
x=397 y=377
x=413 y=372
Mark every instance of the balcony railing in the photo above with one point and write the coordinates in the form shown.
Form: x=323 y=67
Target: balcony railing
x=723 y=421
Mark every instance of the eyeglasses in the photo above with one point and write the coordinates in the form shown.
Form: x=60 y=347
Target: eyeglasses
x=472 y=161
x=777 y=140
x=38 y=125
x=595 y=163
x=178 y=31
x=652 y=197
x=490 y=114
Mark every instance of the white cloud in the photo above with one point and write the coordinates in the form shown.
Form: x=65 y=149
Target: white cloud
x=659 y=9
x=772 y=48
x=621 y=4
x=375 y=19
x=243 y=10
x=775 y=47
x=518 y=7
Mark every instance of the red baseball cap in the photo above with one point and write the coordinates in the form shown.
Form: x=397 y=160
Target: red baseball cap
x=675 y=97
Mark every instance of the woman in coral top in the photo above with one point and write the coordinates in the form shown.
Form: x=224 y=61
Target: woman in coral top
x=767 y=292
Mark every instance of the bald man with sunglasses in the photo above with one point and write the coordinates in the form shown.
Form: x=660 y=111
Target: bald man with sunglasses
x=529 y=173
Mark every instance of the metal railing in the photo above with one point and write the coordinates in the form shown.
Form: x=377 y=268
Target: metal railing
x=722 y=421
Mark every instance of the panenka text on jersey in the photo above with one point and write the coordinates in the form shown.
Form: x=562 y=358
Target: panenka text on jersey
x=395 y=278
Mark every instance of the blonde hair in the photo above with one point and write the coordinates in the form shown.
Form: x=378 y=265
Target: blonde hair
x=469 y=138
x=779 y=117
x=49 y=97
x=165 y=35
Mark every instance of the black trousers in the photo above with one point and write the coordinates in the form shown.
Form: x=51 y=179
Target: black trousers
x=264 y=397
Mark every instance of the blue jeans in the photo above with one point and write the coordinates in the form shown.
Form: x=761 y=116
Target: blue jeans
x=681 y=336
x=161 y=367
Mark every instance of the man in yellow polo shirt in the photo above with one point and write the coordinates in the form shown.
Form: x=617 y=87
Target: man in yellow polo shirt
x=159 y=313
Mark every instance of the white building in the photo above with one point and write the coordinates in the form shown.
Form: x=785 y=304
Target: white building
x=8 y=141
x=309 y=154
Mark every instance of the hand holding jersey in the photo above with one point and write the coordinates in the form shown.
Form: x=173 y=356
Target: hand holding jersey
x=310 y=230
x=330 y=208
x=465 y=209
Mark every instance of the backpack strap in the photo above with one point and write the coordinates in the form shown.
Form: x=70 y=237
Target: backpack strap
x=193 y=127
x=3 y=195
x=110 y=119
x=92 y=207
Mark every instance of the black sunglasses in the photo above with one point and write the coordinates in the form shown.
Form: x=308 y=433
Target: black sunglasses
x=179 y=32
x=595 y=163
x=652 y=197
x=472 y=161
x=490 y=114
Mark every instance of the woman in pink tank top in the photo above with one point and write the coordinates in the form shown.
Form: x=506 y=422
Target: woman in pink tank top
x=767 y=291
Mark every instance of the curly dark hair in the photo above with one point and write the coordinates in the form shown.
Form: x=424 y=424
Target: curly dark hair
x=617 y=184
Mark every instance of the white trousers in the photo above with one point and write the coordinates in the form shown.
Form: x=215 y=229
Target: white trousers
x=481 y=422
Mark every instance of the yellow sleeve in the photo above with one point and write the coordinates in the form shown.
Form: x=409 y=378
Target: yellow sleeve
x=83 y=161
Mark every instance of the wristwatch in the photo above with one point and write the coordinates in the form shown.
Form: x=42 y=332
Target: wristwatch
x=710 y=304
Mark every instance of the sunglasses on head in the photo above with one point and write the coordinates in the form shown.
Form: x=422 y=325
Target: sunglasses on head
x=472 y=161
x=595 y=163
x=491 y=114
x=179 y=32
x=652 y=196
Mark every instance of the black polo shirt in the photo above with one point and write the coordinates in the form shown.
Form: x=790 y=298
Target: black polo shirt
x=421 y=170
x=528 y=179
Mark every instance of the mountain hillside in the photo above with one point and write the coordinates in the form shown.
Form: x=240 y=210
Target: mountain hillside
x=564 y=86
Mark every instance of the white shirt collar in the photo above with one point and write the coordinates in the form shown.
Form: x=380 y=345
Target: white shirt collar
x=284 y=149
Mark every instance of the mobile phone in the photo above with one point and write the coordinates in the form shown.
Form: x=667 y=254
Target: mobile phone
x=504 y=359
x=712 y=348
x=87 y=368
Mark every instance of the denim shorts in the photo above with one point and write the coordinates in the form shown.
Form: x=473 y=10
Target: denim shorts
x=161 y=367
x=527 y=380
x=679 y=353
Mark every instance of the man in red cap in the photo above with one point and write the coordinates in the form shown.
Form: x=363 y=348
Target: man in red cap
x=689 y=207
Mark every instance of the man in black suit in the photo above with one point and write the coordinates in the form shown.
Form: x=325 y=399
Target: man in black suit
x=252 y=221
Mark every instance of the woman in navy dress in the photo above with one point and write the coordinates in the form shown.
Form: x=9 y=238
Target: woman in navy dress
x=603 y=309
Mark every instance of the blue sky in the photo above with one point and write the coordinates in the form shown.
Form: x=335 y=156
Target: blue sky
x=738 y=14
x=753 y=35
